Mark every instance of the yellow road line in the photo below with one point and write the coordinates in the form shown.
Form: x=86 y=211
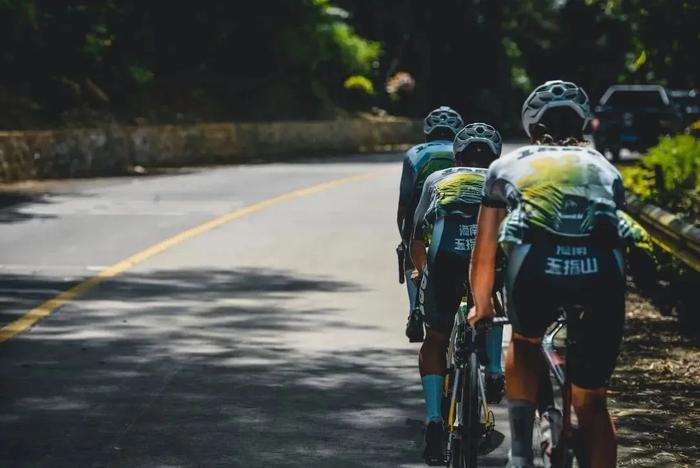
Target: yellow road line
x=48 y=307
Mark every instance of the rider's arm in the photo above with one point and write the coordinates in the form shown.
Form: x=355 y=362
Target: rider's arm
x=482 y=270
x=418 y=255
x=483 y=263
x=406 y=188
x=418 y=246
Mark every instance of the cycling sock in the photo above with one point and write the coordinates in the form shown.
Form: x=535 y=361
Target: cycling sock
x=432 y=389
x=522 y=417
x=494 y=347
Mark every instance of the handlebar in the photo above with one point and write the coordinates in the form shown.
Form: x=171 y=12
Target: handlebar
x=495 y=322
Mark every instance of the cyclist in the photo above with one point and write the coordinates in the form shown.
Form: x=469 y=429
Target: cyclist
x=446 y=214
x=440 y=127
x=563 y=235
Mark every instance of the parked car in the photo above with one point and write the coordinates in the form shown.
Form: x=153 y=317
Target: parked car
x=687 y=102
x=633 y=117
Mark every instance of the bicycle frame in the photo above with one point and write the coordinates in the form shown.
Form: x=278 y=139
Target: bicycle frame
x=462 y=340
x=563 y=452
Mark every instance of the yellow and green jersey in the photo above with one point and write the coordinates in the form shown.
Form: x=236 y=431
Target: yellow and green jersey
x=452 y=191
x=565 y=190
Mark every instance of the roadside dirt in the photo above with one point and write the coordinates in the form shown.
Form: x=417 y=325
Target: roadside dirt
x=655 y=391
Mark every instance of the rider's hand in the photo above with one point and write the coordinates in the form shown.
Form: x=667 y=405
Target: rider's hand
x=415 y=276
x=476 y=315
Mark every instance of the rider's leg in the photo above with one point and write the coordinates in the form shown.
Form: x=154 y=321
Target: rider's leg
x=494 y=346
x=523 y=369
x=431 y=363
x=495 y=382
x=411 y=286
x=594 y=335
x=412 y=290
x=597 y=429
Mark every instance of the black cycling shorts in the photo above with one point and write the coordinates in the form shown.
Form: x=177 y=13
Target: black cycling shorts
x=443 y=283
x=585 y=279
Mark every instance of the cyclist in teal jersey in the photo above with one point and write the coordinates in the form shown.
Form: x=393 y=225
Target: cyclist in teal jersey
x=445 y=217
x=564 y=234
x=440 y=127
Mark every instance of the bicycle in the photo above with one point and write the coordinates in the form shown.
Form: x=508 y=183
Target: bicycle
x=563 y=447
x=470 y=422
x=557 y=442
x=469 y=419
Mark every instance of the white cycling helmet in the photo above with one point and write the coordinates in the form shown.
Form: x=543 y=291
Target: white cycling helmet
x=554 y=94
x=443 y=117
x=478 y=133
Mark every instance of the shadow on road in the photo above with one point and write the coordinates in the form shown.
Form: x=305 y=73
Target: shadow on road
x=205 y=368
x=12 y=204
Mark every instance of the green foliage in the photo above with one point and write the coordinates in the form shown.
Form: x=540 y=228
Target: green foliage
x=97 y=42
x=290 y=59
x=357 y=54
x=677 y=161
x=140 y=74
x=359 y=83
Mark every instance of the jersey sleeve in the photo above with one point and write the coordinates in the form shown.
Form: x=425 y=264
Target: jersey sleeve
x=493 y=195
x=422 y=208
x=619 y=193
x=633 y=232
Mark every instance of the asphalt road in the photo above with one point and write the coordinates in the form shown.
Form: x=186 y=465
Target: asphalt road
x=274 y=339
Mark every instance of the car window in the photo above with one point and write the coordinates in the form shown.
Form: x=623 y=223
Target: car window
x=635 y=99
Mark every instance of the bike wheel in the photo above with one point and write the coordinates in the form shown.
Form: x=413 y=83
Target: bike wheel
x=471 y=431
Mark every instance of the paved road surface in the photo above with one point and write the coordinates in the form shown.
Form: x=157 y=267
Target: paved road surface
x=275 y=339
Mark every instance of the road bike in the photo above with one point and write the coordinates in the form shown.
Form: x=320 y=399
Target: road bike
x=559 y=442
x=470 y=421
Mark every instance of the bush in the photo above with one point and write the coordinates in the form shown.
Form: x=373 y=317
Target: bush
x=668 y=176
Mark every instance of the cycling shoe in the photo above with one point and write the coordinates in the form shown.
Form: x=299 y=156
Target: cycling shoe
x=434 y=453
x=495 y=388
x=414 y=328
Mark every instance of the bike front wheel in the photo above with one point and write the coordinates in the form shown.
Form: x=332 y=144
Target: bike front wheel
x=465 y=448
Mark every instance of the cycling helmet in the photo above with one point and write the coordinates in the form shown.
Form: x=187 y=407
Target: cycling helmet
x=443 y=117
x=554 y=94
x=478 y=133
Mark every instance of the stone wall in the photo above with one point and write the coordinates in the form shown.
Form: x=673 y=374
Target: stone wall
x=115 y=150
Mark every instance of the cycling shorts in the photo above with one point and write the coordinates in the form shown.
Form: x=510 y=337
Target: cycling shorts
x=444 y=281
x=588 y=281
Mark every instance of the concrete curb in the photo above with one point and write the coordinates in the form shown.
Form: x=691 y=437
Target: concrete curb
x=116 y=149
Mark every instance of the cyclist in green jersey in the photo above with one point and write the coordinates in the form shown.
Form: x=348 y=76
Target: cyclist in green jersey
x=440 y=127
x=445 y=217
x=564 y=236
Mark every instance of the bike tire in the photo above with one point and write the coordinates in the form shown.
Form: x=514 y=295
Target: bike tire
x=472 y=427
x=538 y=442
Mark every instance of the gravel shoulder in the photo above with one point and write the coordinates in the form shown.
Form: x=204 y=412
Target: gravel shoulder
x=655 y=391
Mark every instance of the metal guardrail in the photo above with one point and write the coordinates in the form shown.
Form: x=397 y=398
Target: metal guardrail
x=677 y=237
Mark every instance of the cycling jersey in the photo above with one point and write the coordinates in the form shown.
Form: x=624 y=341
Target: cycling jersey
x=564 y=229
x=456 y=190
x=447 y=214
x=567 y=191
x=418 y=163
